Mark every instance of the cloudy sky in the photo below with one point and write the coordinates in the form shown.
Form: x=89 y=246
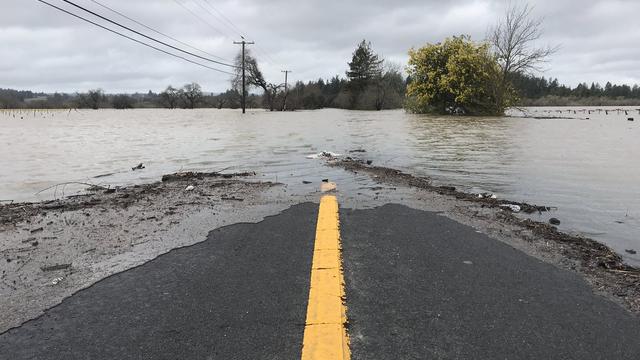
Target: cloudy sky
x=46 y=50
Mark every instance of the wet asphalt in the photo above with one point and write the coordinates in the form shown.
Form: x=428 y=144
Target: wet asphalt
x=418 y=286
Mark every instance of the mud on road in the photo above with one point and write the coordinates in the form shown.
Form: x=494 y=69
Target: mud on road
x=50 y=250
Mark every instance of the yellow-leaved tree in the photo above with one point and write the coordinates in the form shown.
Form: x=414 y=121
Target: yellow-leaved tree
x=457 y=76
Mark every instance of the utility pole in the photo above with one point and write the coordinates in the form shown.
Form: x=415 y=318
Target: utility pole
x=244 y=82
x=286 y=88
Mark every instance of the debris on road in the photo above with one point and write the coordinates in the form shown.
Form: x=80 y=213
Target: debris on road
x=487 y=196
x=189 y=188
x=306 y=182
x=181 y=176
x=512 y=207
x=631 y=251
x=138 y=167
x=56 y=267
x=103 y=175
x=324 y=154
x=231 y=198
x=328 y=186
x=554 y=221
x=383 y=174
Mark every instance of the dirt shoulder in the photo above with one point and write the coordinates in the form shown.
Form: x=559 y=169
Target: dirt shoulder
x=601 y=266
x=50 y=250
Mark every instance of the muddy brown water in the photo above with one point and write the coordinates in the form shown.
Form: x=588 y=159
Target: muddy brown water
x=586 y=166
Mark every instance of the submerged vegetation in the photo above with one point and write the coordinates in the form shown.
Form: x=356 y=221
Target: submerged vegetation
x=455 y=76
x=459 y=76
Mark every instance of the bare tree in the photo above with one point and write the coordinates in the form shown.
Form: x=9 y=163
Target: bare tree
x=514 y=38
x=191 y=95
x=254 y=78
x=514 y=42
x=91 y=100
x=170 y=97
x=389 y=86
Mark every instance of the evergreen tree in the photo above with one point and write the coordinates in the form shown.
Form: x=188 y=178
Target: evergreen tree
x=365 y=65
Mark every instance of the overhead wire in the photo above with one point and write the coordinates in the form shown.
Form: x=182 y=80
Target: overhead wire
x=133 y=39
x=199 y=18
x=157 y=31
x=231 y=25
x=236 y=29
x=221 y=18
x=146 y=36
x=225 y=34
x=205 y=21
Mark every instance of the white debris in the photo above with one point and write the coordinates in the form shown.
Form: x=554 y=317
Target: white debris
x=487 y=195
x=328 y=186
x=189 y=188
x=324 y=154
x=512 y=207
x=57 y=280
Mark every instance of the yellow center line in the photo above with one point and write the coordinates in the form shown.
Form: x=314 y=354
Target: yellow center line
x=325 y=334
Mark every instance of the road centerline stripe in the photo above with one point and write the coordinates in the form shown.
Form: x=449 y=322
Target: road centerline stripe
x=325 y=333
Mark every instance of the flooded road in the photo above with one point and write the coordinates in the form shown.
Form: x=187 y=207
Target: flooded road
x=587 y=168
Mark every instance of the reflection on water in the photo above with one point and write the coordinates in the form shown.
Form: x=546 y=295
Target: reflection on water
x=587 y=168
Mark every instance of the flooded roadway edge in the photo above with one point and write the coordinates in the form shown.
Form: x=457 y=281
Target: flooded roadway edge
x=260 y=200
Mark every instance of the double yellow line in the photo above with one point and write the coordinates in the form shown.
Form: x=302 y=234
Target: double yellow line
x=325 y=333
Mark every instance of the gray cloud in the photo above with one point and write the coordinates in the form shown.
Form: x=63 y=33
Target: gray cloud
x=43 y=49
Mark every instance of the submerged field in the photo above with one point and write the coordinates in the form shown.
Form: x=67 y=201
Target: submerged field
x=583 y=163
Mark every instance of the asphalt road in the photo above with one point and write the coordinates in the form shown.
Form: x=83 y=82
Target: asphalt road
x=421 y=286
x=418 y=286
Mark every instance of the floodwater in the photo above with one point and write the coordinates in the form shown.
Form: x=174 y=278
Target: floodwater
x=586 y=166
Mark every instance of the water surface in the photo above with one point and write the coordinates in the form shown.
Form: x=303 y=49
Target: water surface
x=587 y=168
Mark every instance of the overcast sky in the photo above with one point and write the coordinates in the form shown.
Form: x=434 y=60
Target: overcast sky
x=46 y=50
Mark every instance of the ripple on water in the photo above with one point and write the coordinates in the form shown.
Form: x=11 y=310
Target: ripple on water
x=586 y=168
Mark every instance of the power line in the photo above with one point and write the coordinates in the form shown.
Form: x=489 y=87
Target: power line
x=135 y=40
x=268 y=58
x=259 y=49
x=236 y=29
x=233 y=26
x=146 y=36
x=266 y=54
x=212 y=14
x=200 y=18
x=156 y=31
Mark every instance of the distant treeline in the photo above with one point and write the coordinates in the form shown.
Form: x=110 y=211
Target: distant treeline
x=534 y=91
x=369 y=85
x=97 y=99
x=540 y=91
